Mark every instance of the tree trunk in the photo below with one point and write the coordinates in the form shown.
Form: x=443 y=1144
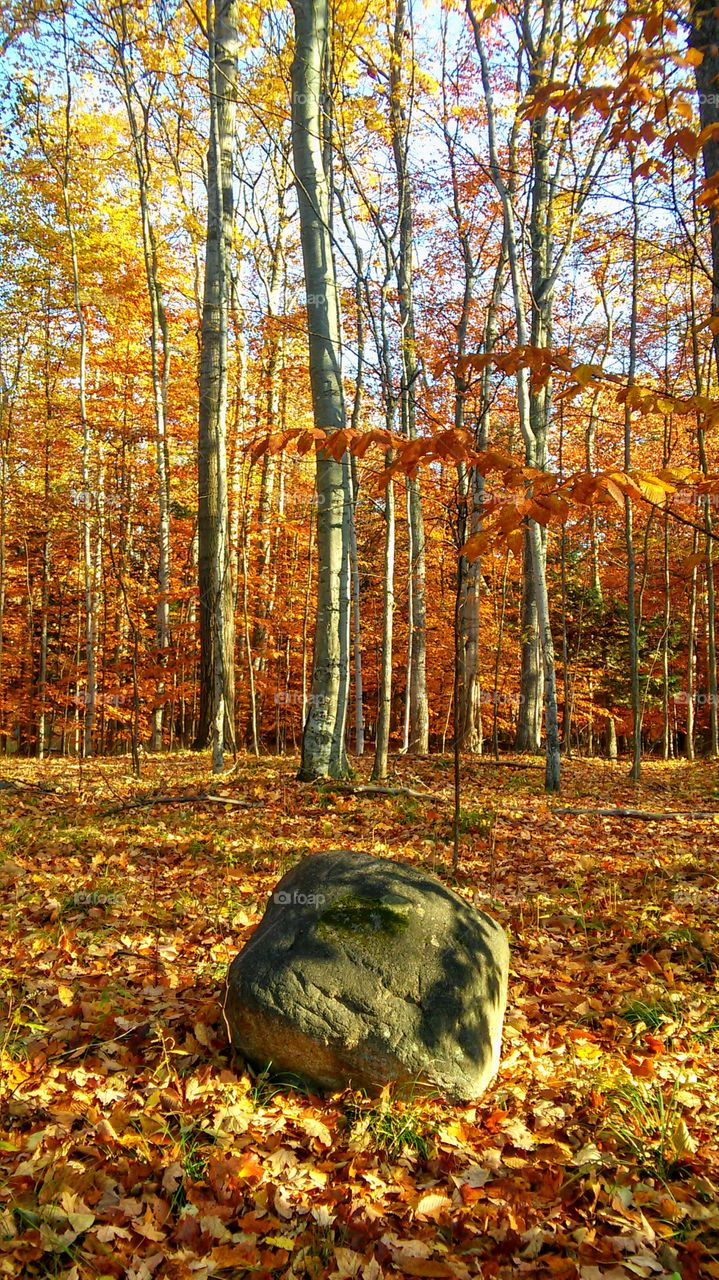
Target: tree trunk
x=5 y=427
x=711 y=607
x=323 y=739
x=217 y=620
x=356 y=617
x=552 y=769
x=704 y=36
x=384 y=716
x=86 y=496
x=418 y=743
x=691 y=654
x=138 y=114
x=470 y=684
x=591 y=460
x=273 y=366
x=632 y=622
x=531 y=679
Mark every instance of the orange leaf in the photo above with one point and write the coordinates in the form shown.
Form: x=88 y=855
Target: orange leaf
x=422 y=1266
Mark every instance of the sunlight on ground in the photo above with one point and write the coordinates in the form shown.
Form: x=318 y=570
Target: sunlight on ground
x=133 y=1142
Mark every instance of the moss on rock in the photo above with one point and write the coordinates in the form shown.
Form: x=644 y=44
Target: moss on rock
x=365 y=917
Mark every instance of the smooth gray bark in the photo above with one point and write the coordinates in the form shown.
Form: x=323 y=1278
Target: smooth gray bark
x=138 y=116
x=384 y=717
x=632 y=620
x=533 y=407
x=356 y=616
x=418 y=736
x=704 y=36
x=274 y=280
x=62 y=170
x=217 y=595
x=323 y=739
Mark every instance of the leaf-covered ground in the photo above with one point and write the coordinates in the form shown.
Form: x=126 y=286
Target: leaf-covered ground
x=134 y=1143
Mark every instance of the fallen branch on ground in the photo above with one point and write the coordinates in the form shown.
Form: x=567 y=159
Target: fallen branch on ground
x=695 y=815
x=200 y=798
x=490 y=762
x=346 y=788
x=17 y=787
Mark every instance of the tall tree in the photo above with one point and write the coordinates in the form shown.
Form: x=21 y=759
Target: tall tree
x=399 y=115
x=61 y=167
x=217 y=620
x=323 y=739
x=704 y=38
x=139 y=87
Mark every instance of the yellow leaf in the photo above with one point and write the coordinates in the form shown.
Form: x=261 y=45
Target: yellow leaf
x=682 y=1141
x=316 y=1129
x=65 y=996
x=583 y=374
x=654 y=489
x=515 y=540
x=81 y=1222
x=279 y=1242
x=587 y=1051
x=432 y=1205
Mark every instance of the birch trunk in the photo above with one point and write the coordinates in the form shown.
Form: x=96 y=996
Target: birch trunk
x=632 y=621
x=323 y=739
x=217 y=619
x=273 y=372
x=356 y=613
x=704 y=36
x=85 y=430
x=138 y=116
x=691 y=654
x=533 y=405
x=384 y=716
x=418 y=743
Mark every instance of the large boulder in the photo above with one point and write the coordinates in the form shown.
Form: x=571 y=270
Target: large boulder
x=364 y=971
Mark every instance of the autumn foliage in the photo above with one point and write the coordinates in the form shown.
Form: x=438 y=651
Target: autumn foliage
x=70 y=190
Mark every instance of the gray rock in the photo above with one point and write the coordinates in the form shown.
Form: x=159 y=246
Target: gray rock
x=363 y=971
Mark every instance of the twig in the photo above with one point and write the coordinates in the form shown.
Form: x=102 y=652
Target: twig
x=490 y=763
x=200 y=798
x=346 y=788
x=694 y=815
x=17 y=787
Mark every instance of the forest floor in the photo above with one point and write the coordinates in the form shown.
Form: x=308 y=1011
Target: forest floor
x=134 y=1143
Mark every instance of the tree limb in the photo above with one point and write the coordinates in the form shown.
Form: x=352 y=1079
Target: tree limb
x=670 y=815
x=200 y=798
x=347 y=789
